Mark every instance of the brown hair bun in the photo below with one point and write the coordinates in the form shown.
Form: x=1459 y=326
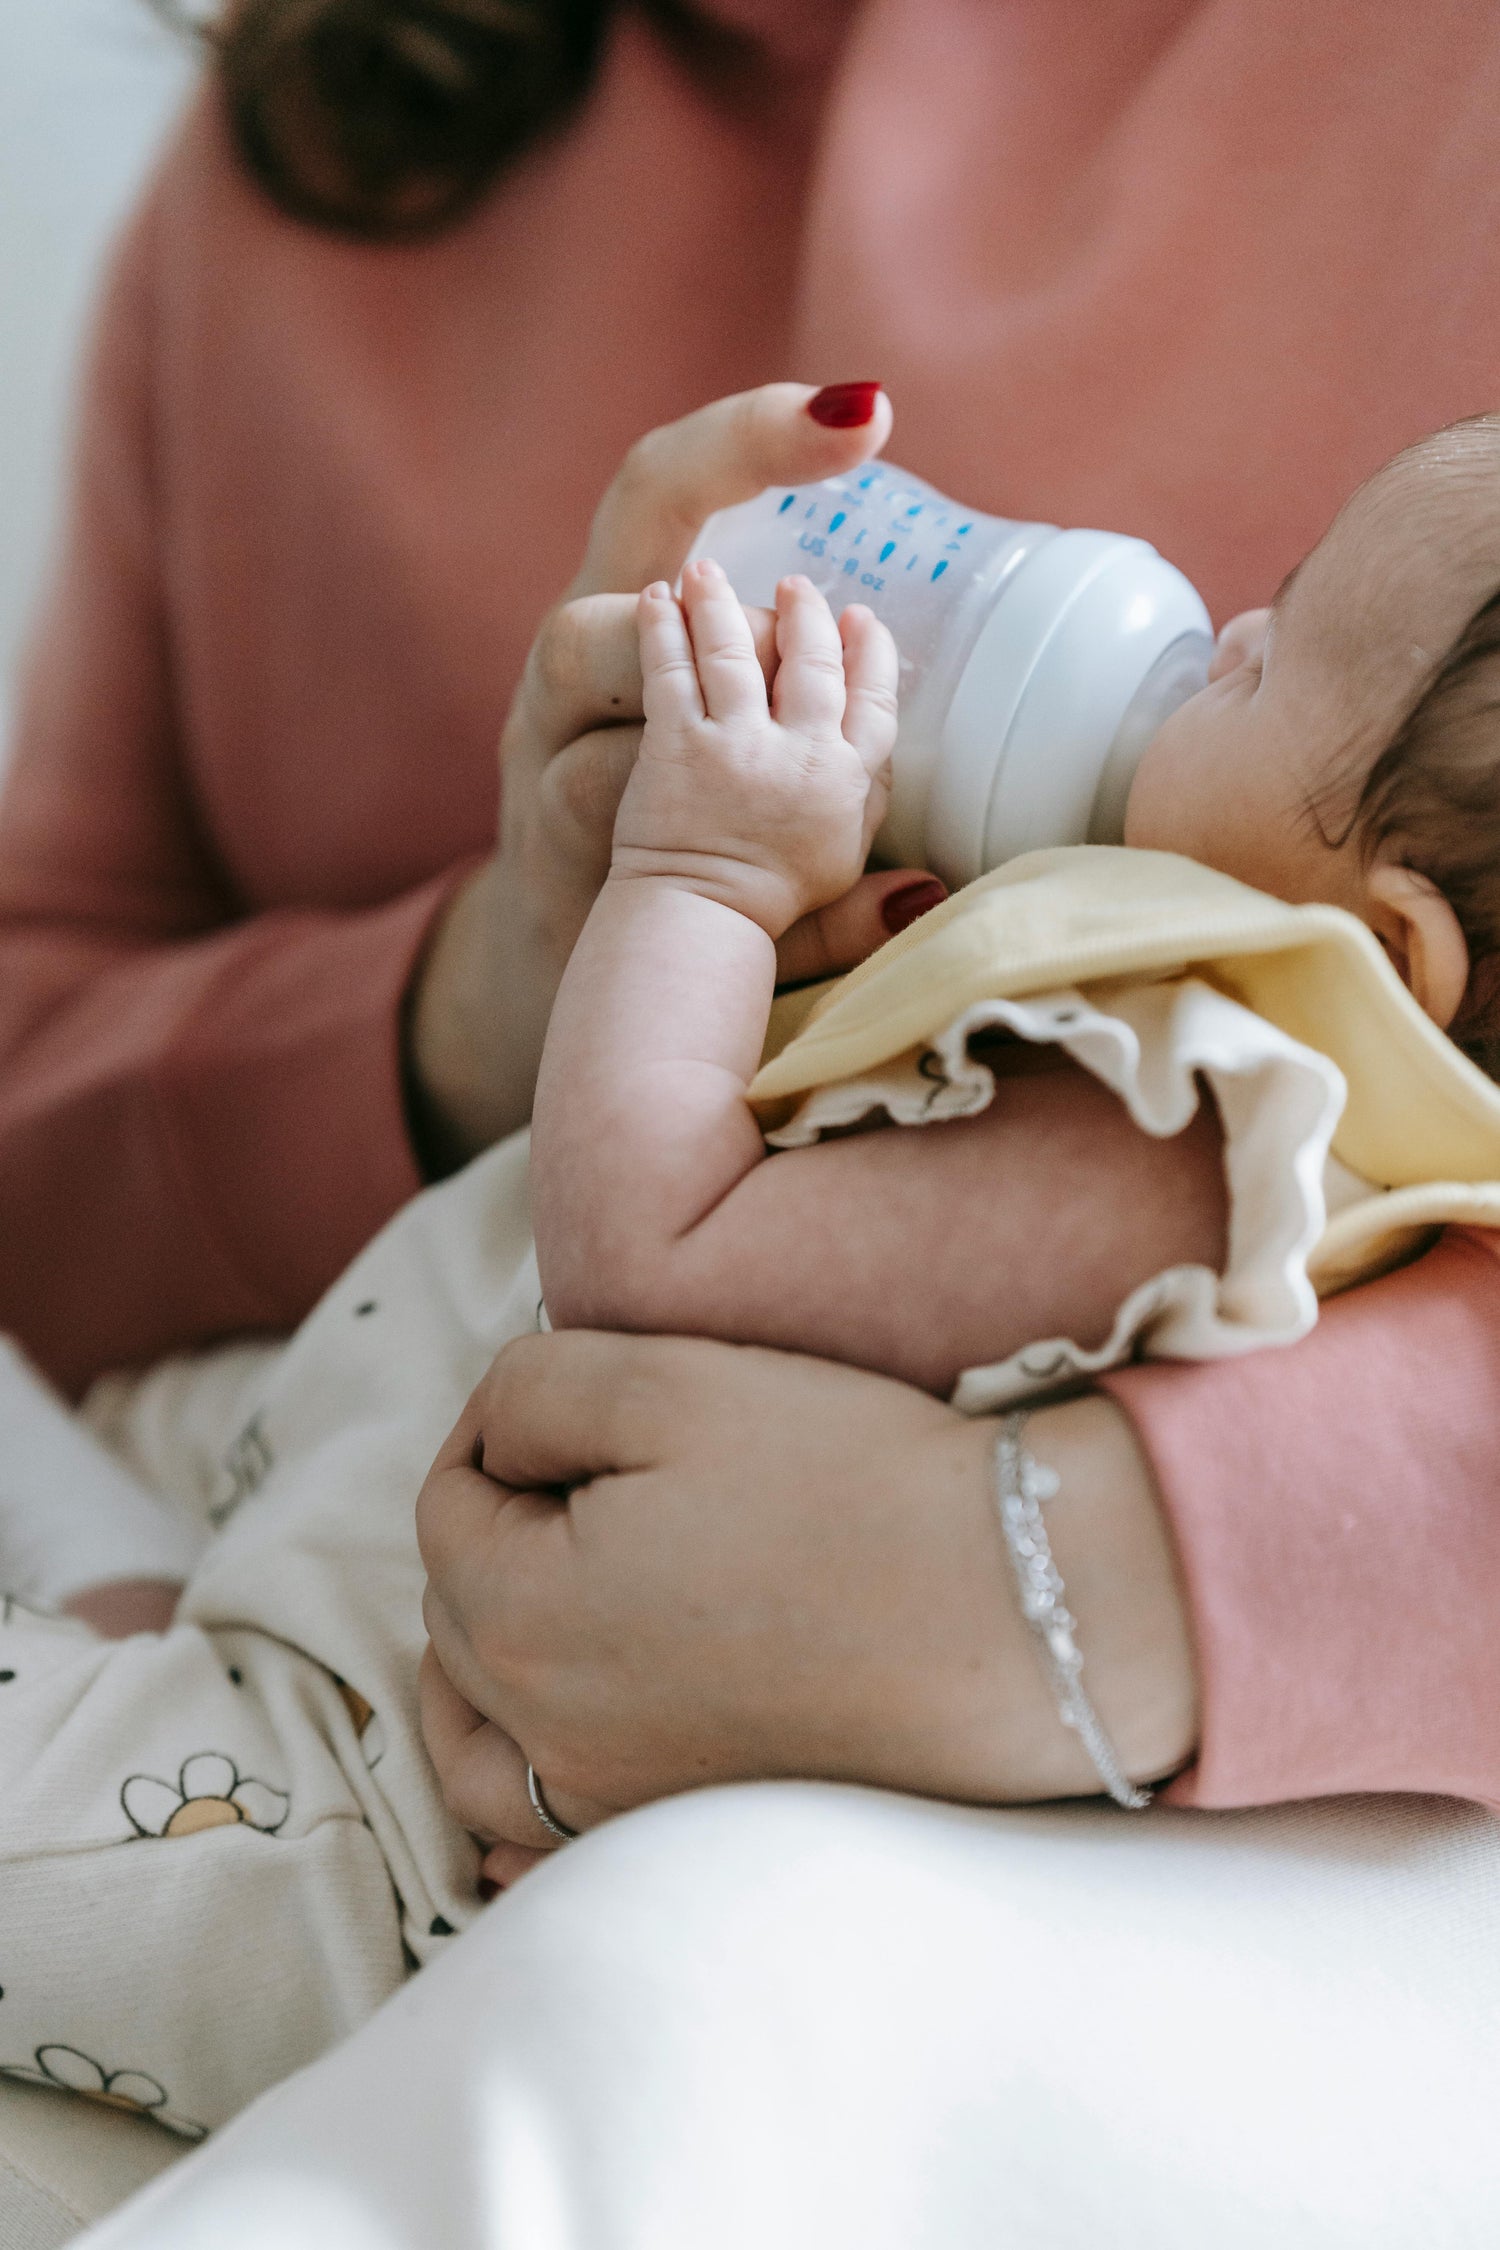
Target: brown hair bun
x=388 y=118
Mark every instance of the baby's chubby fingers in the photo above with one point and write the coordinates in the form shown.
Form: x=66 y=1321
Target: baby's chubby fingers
x=670 y=690
x=809 y=694
x=729 y=672
x=871 y=676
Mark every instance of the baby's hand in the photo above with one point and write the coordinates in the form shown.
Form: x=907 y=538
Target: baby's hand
x=768 y=806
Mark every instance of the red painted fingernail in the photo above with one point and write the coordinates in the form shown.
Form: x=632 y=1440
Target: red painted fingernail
x=487 y=1889
x=844 y=406
x=899 y=909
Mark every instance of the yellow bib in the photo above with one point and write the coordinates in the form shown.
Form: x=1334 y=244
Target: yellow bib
x=1422 y=1122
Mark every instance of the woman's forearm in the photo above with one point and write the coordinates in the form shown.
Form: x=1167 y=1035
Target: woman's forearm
x=1005 y=1742
x=195 y=1136
x=1290 y=1559
x=770 y=1565
x=1113 y=1546
x=477 y=1017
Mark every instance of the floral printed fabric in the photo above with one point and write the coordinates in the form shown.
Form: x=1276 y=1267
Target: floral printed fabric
x=222 y=1847
x=174 y=1940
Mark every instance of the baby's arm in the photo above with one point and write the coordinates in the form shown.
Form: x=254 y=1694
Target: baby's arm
x=740 y=816
x=917 y=1254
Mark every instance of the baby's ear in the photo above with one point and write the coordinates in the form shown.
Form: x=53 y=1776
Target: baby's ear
x=1422 y=935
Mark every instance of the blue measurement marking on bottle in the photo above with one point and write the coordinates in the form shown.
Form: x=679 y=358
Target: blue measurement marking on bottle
x=865 y=483
x=786 y=503
x=942 y=566
x=963 y=527
x=915 y=509
x=837 y=520
x=886 y=551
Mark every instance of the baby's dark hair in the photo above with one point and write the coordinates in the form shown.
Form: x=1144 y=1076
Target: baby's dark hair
x=1433 y=797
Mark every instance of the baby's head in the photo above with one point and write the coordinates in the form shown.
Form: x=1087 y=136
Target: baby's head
x=1347 y=746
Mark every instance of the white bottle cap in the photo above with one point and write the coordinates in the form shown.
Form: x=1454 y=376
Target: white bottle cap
x=1058 y=666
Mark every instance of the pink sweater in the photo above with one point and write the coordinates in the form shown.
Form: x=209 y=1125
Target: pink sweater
x=1192 y=275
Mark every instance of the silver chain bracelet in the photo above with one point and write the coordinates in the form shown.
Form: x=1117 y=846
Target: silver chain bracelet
x=1021 y=1485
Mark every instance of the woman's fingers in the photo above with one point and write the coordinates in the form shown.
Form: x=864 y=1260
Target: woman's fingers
x=584 y=669
x=729 y=670
x=871 y=675
x=504 y=1864
x=483 y=1777
x=843 y=934
x=492 y=1525
x=584 y=673
x=678 y=476
x=469 y=1703
x=557 y=1410
x=482 y=1772
x=809 y=692
x=469 y=1522
x=577 y=796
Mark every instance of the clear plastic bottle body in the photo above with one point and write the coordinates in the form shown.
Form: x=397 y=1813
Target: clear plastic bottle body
x=1023 y=652
x=928 y=568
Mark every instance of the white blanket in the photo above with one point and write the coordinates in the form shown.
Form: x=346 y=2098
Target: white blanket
x=832 y=2020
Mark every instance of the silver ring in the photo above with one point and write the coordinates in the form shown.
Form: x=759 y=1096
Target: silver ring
x=543 y=1810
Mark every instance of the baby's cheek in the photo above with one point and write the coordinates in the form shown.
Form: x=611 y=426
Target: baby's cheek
x=1148 y=822
x=1179 y=801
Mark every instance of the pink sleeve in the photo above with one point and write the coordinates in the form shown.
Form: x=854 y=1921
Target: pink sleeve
x=201 y=1112
x=1338 y=1524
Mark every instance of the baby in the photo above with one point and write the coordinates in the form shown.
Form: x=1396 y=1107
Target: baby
x=234 y=1821
x=1345 y=751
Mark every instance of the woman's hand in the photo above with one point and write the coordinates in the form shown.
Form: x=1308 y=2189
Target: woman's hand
x=658 y=1563
x=480 y=1006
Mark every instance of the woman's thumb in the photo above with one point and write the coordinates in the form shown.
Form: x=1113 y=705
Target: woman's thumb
x=840 y=935
x=676 y=477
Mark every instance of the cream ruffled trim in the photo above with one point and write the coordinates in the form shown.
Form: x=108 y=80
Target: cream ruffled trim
x=1150 y=1043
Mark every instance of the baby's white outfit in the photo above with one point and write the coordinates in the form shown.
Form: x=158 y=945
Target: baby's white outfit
x=222 y=1847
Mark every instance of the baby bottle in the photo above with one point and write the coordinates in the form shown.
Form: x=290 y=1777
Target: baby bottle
x=1036 y=664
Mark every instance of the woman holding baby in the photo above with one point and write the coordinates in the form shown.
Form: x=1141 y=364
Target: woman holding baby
x=263 y=970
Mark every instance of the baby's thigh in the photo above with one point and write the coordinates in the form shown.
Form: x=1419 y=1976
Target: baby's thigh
x=193 y=1903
